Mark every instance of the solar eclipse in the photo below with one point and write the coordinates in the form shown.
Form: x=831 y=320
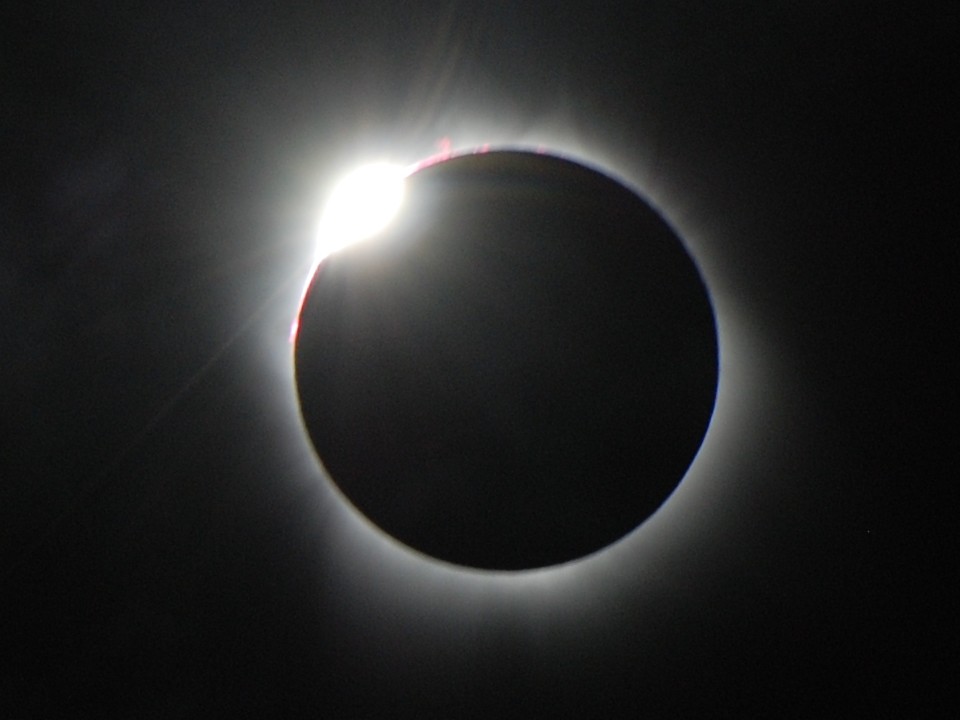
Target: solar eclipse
x=517 y=365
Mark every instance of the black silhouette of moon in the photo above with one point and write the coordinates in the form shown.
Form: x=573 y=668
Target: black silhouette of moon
x=517 y=371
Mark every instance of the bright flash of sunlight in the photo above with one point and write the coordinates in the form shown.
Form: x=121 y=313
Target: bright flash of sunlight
x=361 y=205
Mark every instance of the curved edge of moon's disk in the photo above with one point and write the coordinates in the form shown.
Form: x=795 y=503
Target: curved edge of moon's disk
x=517 y=370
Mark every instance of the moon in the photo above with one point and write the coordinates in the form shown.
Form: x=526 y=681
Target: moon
x=516 y=367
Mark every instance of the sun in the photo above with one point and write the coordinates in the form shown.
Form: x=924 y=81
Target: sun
x=360 y=206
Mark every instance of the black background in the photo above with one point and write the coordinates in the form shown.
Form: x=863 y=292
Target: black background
x=169 y=545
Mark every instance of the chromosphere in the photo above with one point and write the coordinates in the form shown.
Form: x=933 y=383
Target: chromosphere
x=517 y=371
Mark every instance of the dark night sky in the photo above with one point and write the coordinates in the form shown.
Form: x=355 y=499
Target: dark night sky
x=169 y=545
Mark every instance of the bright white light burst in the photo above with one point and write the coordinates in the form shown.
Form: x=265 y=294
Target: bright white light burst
x=361 y=205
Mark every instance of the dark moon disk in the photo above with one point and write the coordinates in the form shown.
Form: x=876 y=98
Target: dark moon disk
x=518 y=371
